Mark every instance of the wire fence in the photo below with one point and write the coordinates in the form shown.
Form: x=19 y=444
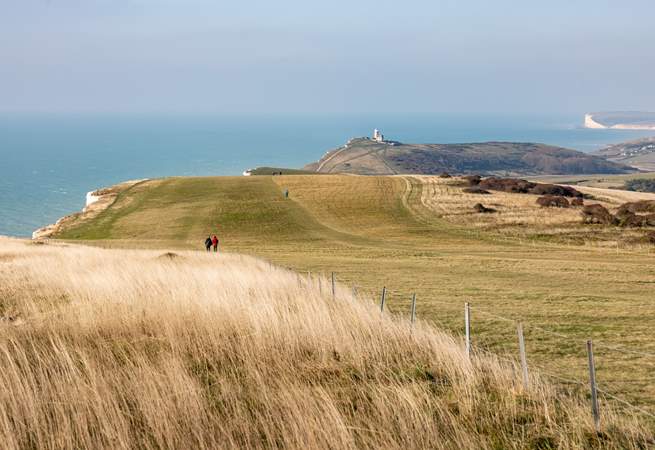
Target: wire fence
x=520 y=359
x=605 y=390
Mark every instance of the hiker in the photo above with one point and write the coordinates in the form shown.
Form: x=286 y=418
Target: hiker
x=215 y=243
x=208 y=243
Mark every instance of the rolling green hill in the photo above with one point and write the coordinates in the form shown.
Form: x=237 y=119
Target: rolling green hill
x=367 y=157
x=639 y=153
x=378 y=231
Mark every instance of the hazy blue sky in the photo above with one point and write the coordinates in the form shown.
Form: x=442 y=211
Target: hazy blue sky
x=303 y=56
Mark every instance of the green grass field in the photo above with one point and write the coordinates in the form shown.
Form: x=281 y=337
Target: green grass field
x=374 y=232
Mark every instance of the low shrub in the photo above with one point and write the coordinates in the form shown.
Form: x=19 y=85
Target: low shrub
x=472 y=180
x=480 y=208
x=641 y=206
x=597 y=214
x=640 y=185
x=476 y=190
x=518 y=186
x=553 y=201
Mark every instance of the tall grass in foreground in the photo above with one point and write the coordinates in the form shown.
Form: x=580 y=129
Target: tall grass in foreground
x=132 y=349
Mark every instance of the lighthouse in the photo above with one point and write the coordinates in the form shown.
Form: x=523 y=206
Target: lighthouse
x=378 y=136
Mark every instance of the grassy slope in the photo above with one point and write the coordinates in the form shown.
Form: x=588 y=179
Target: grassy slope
x=136 y=349
x=373 y=231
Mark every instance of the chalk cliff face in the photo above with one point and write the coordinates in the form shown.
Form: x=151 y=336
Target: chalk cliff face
x=620 y=120
x=96 y=202
x=589 y=122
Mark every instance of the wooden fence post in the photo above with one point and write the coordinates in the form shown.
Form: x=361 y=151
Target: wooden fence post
x=467 y=324
x=592 y=381
x=524 y=359
x=354 y=291
x=383 y=298
x=333 y=287
x=413 y=308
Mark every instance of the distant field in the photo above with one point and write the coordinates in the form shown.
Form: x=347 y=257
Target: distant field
x=598 y=181
x=403 y=233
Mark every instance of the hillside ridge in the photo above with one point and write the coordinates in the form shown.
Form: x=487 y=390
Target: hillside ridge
x=368 y=157
x=639 y=153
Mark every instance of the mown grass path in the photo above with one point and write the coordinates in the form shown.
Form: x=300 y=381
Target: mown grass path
x=375 y=231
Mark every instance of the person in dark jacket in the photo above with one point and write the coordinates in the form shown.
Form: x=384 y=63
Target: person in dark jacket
x=215 y=243
x=208 y=243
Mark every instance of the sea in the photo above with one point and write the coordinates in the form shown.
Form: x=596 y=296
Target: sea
x=48 y=162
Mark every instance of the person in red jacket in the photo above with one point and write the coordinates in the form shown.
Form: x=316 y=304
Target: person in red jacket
x=215 y=243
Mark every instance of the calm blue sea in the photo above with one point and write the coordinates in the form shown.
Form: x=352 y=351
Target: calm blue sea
x=48 y=163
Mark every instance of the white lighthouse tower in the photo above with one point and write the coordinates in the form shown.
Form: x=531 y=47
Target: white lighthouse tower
x=378 y=136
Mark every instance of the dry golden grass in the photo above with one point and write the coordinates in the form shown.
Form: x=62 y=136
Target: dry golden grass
x=447 y=198
x=518 y=215
x=139 y=349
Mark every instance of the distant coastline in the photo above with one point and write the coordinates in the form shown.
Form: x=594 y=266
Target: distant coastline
x=96 y=202
x=49 y=173
x=635 y=121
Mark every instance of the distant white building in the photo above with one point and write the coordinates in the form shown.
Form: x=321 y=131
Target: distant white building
x=378 y=136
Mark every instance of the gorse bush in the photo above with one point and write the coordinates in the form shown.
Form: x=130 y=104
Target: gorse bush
x=640 y=185
x=127 y=349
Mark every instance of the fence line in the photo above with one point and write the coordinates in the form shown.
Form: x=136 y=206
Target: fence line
x=565 y=336
x=560 y=378
x=627 y=350
x=544 y=330
x=522 y=364
x=495 y=316
x=592 y=371
x=626 y=403
x=572 y=381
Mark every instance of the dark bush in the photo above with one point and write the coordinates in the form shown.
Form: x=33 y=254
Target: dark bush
x=479 y=207
x=631 y=220
x=506 y=185
x=476 y=190
x=553 y=201
x=554 y=189
x=445 y=175
x=472 y=180
x=628 y=217
x=642 y=206
x=515 y=185
x=640 y=185
x=577 y=201
x=597 y=214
